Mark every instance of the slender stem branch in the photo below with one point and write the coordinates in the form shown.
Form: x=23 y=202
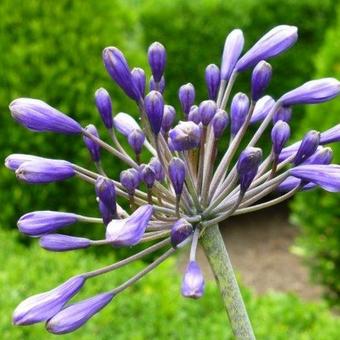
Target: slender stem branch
x=218 y=258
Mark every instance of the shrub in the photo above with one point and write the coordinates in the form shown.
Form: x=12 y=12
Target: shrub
x=317 y=213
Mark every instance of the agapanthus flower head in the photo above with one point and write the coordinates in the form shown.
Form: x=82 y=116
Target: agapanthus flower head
x=260 y=79
x=154 y=108
x=212 y=80
x=185 y=136
x=104 y=107
x=157 y=60
x=238 y=111
x=193 y=281
x=168 y=117
x=139 y=79
x=186 y=95
x=94 y=148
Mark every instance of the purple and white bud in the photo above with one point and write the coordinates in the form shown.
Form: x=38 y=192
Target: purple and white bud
x=154 y=108
x=130 y=180
x=104 y=107
x=148 y=175
x=160 y=86
x=36 y=115
x=238 y=112
x=207 y=110
x=43 y=306
x=212 y=80
x=168 y=117
x=59 y=242
x=274 y=42
x=331 y=135
x=180 y=233
x=247 y=166
x=37 y=223
x=193 y=281
x=157 y=167
x=233 y=47
x=280 y=134
x=44 y=171
x=177 y=175
x=194 y=115
x=186 y=95
x=118 y=68
x=157 y=60
x=308 y=146
x=92 y=146
x=129 y=231
x=185 y=136
x=321 y=156
x=262 y=109
x=219 y=123
x=283 y=113
x=260 y=79
x=125 y=124
x=139 y=79
x=136 y=139
x=312 y=92
x=13 y=161
x=77 y=314
x=106 y=192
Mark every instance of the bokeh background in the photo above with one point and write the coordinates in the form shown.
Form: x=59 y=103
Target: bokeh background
x=51 y=50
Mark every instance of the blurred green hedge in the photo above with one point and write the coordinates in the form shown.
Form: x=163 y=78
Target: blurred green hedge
x=318 y=212
x=152 y=308
x=51 y=50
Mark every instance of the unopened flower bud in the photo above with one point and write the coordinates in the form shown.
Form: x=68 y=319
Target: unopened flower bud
x=104 y=107
x=219 y=123
x=38 y=116
x=194 y=115
x=207 y=110
x=107 y=213
x=283 y=113
x=331 y=135
x=136 y=140
x=125 y=124
x=154 y=108
x=130 y=180
x=260 y=79
x=238 y=112
x=186 y=96
x=157 y=167
x=280 y=134
x=59 y=242
x=177 y=174
x=91 y=145
x=308 y=146
x=247 y=166
x=168 y=117
x=106 y=192
x=118 y=68
x=262 y=109
x=212 y=79
x=180 y=233
x=321 y=156
x=193 y=281
x=148 y=175
x=12 y=162
x=185 y=136
x=160 y=86
x=157 y=60
x=139 y=79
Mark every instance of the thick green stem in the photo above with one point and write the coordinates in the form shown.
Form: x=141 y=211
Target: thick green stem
x=218 y=258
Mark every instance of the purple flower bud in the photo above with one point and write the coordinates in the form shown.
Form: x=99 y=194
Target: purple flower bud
x=104 y=107
x=139 y=79
x=38 y=116
x=154 y=108
x=219 y=123
x=58 y=242
x=186 y=95
x=194 y=115
x=125 y=124
x=247 y=166
x=129 y=231
x=193 y=281
x=326 y=176
x=157 y=60
x=321 y=156
x=274 y=42
x=157 y=167
x=13 y=161
x=180 y=233
x=136 y=140
x=212 y=79
x=260 y=79
x=331 y=135
x=177 y=174
x=238 y=111
x=44 y=171
x=207 y=110
x=185 y=136
x=148 y=175
x=77 y=314
x=262 y=109
x=107 y=213
x=37 y=223
x=130 y=180
x=308 y=146
x=283 y=113
x=232 y=50
x=118 y=68
x=291 y=182
x=106 y=192
x=160 y=87
x=43 y=306
x=92 y=146
x=168 y=117
x=312 y=92
x=280 y=134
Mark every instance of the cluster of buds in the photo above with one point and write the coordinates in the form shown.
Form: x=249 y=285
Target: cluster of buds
x=183 y=189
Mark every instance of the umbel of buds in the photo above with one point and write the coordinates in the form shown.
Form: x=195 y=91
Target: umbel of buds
x=181 y=177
